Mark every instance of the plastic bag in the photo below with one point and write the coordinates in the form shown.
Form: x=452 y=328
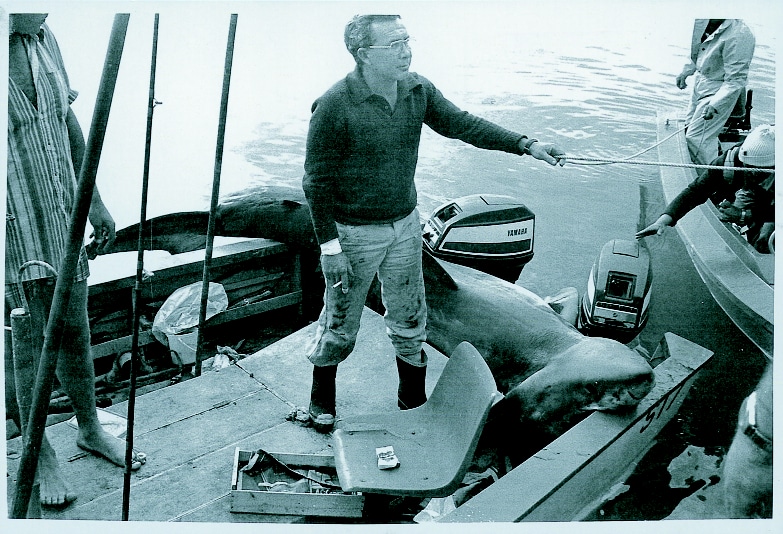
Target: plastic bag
x=180 y=311
x=436 y=508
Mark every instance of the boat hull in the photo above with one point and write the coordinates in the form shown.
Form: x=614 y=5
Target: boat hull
x=739 y=278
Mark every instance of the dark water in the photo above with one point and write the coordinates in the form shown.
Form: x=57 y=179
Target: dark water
x=588 y=77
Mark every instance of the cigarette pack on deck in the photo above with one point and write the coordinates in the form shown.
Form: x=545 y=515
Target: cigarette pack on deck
x=386 y=457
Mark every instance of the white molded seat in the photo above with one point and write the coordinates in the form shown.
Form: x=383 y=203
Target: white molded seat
x=434 y=442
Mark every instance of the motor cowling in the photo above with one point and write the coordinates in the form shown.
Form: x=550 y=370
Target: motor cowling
x=491 y=233
x=616 y=303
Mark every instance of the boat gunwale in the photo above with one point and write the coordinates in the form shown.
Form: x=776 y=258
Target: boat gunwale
x=726 y=265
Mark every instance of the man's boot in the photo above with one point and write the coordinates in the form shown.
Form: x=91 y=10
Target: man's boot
x=322 y=398
x=410 y=393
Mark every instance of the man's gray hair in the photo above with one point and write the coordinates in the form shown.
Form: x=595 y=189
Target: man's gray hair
x=358 y=33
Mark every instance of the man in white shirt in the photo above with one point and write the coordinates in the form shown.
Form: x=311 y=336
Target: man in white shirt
x=721 y=52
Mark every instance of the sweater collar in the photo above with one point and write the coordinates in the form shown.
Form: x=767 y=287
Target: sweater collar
x=359 y=91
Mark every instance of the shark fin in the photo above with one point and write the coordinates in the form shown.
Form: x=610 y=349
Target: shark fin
x=435 y=273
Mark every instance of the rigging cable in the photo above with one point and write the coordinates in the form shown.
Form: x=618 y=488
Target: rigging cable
x=576 y=160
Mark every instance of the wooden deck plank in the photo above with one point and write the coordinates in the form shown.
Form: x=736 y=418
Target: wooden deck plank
x=190 y=430
x=171 y=494
x=366 y=381
x=171 y=446
x=170 y=404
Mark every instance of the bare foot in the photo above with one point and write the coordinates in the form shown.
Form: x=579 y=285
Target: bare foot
x=54 y=489
x=103 y=444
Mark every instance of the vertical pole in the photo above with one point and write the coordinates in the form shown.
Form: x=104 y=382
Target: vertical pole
x=139 y=279
x=25 y=364
x=215 y=191
x=62 y=292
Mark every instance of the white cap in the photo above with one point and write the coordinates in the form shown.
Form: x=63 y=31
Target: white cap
x=758 y=149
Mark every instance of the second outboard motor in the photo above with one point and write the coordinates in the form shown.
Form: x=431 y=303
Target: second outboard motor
x=616 y=304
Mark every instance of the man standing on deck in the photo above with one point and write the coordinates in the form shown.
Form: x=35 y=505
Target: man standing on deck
x=45 y=151
x=362 y=149
x=721 y=52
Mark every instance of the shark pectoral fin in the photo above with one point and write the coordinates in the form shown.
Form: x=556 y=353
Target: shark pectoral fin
x=174 y=232
x=566 y=304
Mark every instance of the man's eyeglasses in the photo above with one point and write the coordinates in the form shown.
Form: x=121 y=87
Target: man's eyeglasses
x=396 y=46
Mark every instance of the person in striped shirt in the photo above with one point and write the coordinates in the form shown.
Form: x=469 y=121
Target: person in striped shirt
x=45 y=150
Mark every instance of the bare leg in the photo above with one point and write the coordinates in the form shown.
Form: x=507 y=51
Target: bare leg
x=77 y=375
x=54 y=491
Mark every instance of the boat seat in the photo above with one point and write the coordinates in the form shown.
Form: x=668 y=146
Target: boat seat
x=434 y=442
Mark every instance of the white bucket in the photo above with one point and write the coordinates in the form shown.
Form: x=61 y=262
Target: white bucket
x=183 y=347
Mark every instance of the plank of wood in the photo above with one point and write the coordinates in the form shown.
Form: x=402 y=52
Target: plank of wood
x=247 y=497
x=173 y=488
x=188 y=398
x=297 y=504
x=168 y=447
x=256 y=308
x=115 y=271
x=118 y=346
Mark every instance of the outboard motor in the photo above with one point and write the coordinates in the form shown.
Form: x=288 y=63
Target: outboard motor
x=491 y=233
x=617 y=300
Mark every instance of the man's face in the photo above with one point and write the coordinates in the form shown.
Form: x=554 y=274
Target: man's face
x=391 y=63
x=26 y=23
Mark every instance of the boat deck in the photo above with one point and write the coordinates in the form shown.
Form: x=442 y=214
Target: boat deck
x=190 y=430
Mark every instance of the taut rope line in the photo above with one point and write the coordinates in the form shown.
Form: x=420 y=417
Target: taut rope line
x=578 y=160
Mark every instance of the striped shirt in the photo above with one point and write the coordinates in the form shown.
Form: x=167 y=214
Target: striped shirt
x=41 y=180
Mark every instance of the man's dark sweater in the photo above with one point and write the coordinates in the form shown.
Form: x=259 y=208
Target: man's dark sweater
x=361 y=156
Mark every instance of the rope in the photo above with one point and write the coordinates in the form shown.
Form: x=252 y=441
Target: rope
x=660 y=142
x=576 y=160
x=643 y=151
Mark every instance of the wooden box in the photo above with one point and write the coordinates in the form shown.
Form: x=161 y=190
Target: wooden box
x=247 y=496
